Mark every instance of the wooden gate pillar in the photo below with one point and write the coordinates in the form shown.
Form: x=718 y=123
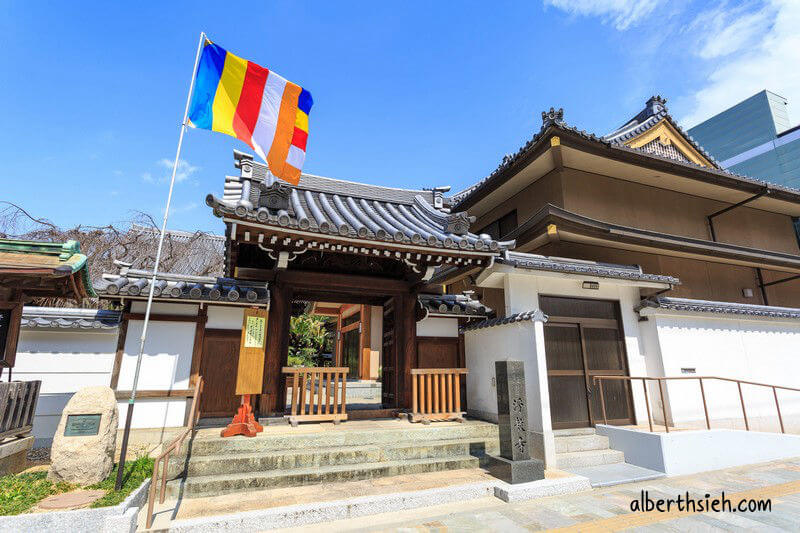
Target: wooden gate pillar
x=273 y=397
x=406 y=347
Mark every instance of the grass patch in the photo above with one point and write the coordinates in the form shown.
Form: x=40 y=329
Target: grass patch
x=133 y=475
x=20 y=492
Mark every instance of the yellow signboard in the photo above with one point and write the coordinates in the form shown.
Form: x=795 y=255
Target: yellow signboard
x=254 y=332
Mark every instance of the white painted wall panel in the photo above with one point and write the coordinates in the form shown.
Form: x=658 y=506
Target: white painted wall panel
x=167 y=357
x=165 y=308
x=225 y=317
x=154 y=413
x=437 y=327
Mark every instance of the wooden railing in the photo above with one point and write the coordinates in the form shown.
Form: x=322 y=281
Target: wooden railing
x=318 y=393
x=436 y=394
x=160 y=488
x=661 y=384
x=17 y=406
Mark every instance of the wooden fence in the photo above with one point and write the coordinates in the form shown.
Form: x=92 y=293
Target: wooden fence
x=317 y=394
x=17 y=407
x=436 y=394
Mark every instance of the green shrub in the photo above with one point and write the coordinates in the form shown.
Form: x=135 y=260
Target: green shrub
x=20 y=492
x=134 y=475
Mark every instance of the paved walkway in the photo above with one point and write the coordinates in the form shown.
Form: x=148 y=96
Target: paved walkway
x=609 y=509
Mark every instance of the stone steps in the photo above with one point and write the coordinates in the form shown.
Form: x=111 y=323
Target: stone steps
x=580 y=443
x=212 y=485
x=332 y=439
x=204 y=465
x=582 y=447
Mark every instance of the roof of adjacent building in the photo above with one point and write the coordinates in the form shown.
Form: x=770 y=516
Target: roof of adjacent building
x=454 y=305
x=727 y=308
x=348 y=209
x=54 y=263
x=526 y=316
x=135 y=284
x=578 y=266
x=69 y=318
x=655 y=111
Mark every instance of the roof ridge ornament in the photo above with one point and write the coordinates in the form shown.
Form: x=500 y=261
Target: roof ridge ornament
x=553 y=117
x=656 y=104
x=274 y=196
x=458 y=223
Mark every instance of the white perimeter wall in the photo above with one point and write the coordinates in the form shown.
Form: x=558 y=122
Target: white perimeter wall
x=166 y=364
x=765 y=351
x=65 y=360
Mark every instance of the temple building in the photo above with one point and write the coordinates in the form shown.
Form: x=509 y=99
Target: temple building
x=622 y=255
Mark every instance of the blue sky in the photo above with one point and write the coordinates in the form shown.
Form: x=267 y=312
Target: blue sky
x=411 y=94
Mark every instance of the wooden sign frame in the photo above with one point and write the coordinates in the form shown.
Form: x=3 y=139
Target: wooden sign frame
x=252 y=347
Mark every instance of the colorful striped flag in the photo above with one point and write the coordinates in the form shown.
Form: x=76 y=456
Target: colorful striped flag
x=237 y=97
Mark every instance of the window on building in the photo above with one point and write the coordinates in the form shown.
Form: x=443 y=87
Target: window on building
x=501 y=227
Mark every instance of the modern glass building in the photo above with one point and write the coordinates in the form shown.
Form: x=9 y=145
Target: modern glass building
x=754 y=138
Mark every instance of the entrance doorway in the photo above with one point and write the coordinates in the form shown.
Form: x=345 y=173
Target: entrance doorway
x=333 y=334
x=218 y=368
x=583 y=339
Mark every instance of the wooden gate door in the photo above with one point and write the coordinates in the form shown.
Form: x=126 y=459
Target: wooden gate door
x=388 y=345
x=218 y=368
x=579 y=348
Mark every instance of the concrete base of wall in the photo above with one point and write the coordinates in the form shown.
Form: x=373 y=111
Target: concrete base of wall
x=13 y=454
x=689 y=452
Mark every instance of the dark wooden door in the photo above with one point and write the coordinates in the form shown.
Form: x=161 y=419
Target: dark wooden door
x=437 y=352
x=388 y=355
x=218 y=367
x=577 y=349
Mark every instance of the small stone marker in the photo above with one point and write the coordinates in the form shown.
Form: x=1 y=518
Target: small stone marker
x=514 y=464
x=86 y=438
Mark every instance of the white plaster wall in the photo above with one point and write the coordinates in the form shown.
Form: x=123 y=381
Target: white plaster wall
x=754 y=350
x=688 y=452
x=165 y=308
x=166 y=365
x=225 y=317
x=521 y=341
x=522 y=291
x=376 y=329
x=65 y=361
x=437 y=327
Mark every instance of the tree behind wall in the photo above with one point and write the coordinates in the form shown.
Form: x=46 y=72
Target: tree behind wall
x=307 y=340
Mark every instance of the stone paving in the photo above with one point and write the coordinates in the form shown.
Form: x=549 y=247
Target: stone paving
x=608 y=509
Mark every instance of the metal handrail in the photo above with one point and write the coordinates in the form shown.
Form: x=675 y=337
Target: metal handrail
x=173 y=447
x=661 y=380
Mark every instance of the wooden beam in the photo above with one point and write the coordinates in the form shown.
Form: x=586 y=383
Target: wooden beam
x=120 y=352
x=343 y=282
x=178 y=393
x=162 y=317
x=197 y=348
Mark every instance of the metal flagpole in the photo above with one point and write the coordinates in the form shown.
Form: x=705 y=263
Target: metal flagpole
x=126 y=432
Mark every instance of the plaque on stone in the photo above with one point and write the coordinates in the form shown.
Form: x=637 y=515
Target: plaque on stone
x=82 y=425
x=514 y=464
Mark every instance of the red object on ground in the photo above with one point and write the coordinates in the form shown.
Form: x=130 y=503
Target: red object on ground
x=243 y=423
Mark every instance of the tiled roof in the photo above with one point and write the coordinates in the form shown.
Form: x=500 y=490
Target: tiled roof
x=526 y=316
x=654 y=111
x=47 y=259
x=69 y=318
x=576 y=266
x=131 y=283
x=727 y=308
x=347 y=209
x=553 y=120
x=453 y=305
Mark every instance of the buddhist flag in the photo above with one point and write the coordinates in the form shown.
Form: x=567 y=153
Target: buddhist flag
x=235 y=96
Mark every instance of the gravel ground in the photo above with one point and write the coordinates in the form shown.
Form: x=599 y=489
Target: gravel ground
x=39 y=455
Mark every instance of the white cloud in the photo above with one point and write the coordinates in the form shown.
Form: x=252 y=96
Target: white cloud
x=177 y=209
x=147 y=177
x=621 y=13
x=748 y=52
x=184 y=172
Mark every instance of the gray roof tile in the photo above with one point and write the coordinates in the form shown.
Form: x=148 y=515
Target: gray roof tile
x=530 y=316
x=69 y=318
x=727 y=308
x=462 y=305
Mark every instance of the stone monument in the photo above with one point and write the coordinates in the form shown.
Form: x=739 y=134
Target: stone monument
x=86 y=438
x=514 y=465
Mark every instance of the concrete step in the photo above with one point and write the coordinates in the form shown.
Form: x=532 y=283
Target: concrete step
x=212 y=485
x=316 y=457
x=580 y=443
x=572 y=432
x=331 y=439
x=589 y=458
